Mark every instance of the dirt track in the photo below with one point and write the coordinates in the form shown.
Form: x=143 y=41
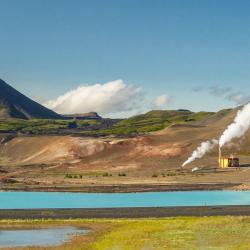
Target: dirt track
x=127 y=188
x=125 y=212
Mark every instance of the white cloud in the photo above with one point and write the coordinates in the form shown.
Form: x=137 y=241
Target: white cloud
x=219 y=91
x=213 y=90
x=161 y=101
x=239 y=98
x=107 y=98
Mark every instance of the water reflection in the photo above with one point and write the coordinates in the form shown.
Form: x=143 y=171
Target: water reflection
x=37 y=237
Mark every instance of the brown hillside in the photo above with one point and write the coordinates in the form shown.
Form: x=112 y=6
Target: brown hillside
x=175 y=142
x=155 y=158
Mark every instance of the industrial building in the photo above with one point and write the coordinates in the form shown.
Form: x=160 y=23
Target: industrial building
x=227 y=162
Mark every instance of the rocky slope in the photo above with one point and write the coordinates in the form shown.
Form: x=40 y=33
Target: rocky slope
x=13 y=104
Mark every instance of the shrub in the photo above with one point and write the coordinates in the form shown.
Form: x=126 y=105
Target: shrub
x=68 y=176
x=72 y=125
x=171 y=174
x=121 y=174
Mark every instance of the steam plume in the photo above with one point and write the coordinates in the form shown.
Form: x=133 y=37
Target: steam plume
x=201 y=151
x=239 y=126
x=236 y=129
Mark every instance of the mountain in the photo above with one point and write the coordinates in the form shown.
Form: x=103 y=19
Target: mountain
x=13 y=104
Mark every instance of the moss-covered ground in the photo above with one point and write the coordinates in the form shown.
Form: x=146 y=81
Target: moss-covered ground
x=140 y=124
x=229 y=233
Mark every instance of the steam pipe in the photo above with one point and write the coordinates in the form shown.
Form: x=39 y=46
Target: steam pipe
x=219 y=155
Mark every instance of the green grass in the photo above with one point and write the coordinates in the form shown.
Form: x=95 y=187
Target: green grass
x=140 y=124
x=88 y=174
x=41 y=126
x=180 y=233
x=152 y=121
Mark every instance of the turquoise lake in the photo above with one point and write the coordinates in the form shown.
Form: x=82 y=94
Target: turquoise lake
x=35 y=200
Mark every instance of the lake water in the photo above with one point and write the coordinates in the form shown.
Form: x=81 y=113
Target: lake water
x=37 y=237
x=35 y=200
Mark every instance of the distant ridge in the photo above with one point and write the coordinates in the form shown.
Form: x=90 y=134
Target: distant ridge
x=14 y=104
x=84 y=116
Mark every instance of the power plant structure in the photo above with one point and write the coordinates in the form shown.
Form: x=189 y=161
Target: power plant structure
x=226 y=162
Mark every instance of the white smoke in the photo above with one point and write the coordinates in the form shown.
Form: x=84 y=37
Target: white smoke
x=239 y=126
x=201 y=151
x=236 y=129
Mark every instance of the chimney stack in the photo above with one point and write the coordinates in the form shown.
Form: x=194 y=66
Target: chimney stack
x=219 y=155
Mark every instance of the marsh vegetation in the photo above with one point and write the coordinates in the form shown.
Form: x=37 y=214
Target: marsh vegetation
x=157 y=234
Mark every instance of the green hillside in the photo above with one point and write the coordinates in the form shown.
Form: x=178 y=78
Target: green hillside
x=44 y=126
x=152 y=121
x=140 y=124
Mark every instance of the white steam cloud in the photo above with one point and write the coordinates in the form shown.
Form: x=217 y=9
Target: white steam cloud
x=239 y=126
x=236 y=129
x=161 y=101
x=107 y=98
x=201 y=151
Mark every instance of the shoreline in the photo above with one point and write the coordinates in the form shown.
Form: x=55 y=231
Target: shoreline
x=115 y=213
x=124 y=188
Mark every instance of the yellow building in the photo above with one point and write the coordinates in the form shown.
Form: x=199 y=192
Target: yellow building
x=225 y=162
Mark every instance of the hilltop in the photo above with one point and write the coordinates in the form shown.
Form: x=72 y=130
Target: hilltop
x=91 y=124
x=19 y=113
x=83 y=116
x=14 y=104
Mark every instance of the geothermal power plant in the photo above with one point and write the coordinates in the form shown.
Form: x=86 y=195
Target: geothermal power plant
x=225 y=162
x=235 y=130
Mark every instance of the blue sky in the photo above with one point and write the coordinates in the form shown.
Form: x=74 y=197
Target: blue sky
x=197 y=53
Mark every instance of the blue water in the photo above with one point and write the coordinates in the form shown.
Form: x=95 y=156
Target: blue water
x=33 y=200
x=37 y=237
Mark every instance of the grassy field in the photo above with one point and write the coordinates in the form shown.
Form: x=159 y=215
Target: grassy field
x=229 y=233
x=140 y=124
x=151 y=121
x=41 y=126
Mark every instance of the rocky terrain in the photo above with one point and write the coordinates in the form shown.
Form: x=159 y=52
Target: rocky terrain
x=151 y=159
